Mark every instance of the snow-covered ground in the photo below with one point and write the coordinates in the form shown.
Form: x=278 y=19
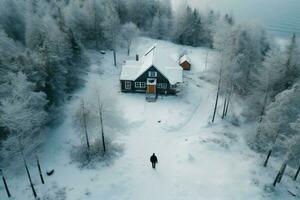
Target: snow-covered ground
x=197 y=160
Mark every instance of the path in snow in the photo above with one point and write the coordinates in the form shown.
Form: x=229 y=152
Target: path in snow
x=192 y=162
x=197 y=161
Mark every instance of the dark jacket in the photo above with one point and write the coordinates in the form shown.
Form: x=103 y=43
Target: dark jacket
x=153 y=159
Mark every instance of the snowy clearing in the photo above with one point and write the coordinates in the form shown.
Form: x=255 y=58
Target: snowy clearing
x=196 y=159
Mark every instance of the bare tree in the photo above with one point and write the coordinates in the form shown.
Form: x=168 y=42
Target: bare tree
x=268 y=157
x=224 y=106
x=29 y=177
x=297 y=173
x=129 y=32
x=291 y=154
x=228 y=100
x=84 y=121
x=5 y=184
x=39 y=168
x=280 y=173
x=101 y=123
x=115 y=56
x=294 y=147
x=217 y=97
x=22 y=147
x=271 y=150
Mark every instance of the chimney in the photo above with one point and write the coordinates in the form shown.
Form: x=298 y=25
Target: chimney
x=137 y=57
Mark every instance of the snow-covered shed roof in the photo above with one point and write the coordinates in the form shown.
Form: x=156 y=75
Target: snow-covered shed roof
x=156 y=57
x=184 y=58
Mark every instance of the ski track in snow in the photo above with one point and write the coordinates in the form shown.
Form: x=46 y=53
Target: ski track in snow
x=196 y=160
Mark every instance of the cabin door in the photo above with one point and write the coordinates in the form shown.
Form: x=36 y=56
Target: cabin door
x=151 y=89
x=151 y=86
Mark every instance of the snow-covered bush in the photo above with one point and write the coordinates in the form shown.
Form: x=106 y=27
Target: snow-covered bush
x=98 y=126
x=94 y=156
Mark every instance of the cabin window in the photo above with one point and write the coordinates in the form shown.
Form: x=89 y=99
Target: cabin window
x=162 y=85
x=152 y=74
x=127 y=85
x=140 y=85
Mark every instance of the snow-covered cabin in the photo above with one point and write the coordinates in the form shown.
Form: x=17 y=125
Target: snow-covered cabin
x=155 y=72
x=185 y=62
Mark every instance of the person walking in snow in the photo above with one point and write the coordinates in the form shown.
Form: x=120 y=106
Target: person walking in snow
x=153 y=160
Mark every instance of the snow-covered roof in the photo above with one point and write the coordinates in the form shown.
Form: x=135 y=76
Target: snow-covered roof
x=184 y=58
x=156 y=57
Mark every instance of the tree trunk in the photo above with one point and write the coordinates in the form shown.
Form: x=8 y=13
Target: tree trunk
x=264 y=106
x=5 y=184
x=267 y=159
x=29 y=178
x=101 y=123
x=227 y=106
x=282 y=172
x=224 y=107
x=228 y=101
x=276 y=179
x=217 y=97
x=115 y=57
x=85 y=126
x=297 y=173
x=39 y=168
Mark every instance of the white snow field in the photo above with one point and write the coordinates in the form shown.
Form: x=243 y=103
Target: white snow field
x=197 y=160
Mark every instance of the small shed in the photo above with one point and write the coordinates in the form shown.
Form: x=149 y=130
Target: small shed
x=185 y=62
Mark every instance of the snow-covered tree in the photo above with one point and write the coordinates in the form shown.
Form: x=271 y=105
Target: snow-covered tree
x=161 y=27
x=192 y=28
x=122 y=9
x=209 y=27
x=111 y=27
x=22 y=115
x=275 y=131
x=189 y=28
x=12 y=19
x=73 y=54
x=273 y=77
x=268 y=77
x=292 y=64
x=229 y=19
x=54 y=52
x=242 y=53
x=129 y=32
x=85 y=18
x=111 y=24
x=295 y=147
x=141 y=12
x=8 y=52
